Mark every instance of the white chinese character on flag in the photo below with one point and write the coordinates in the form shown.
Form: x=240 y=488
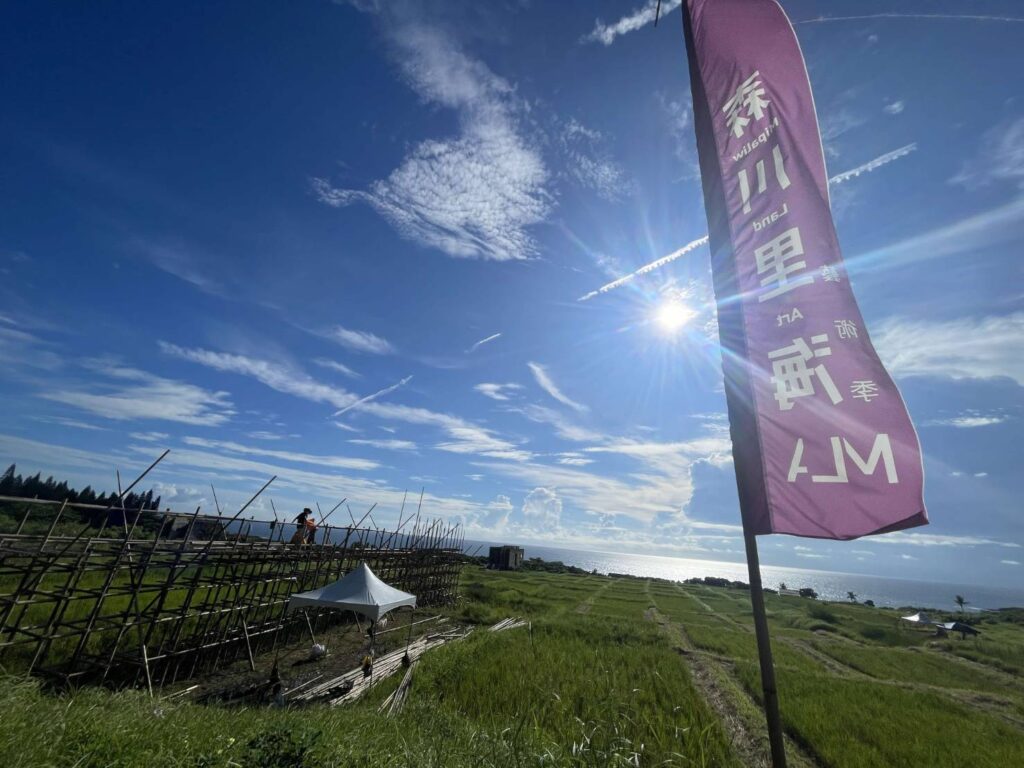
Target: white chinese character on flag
x=750 y=97
x=865 y=390
x=762 y=181
x=830 y=274
x=846 y=329
x=793 y=378
x=776 y=260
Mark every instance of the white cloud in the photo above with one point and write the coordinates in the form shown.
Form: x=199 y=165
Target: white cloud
x=149 y=437
x=895 y=107
x=969 y=348
x=147 y=397
x=920 y=16
x=472 y=196
x=966 y=421
x=261 y=434
x=590 y=165
x=940 y=540
x=542 y=509
x=387 y=445
x=545 y=382
x=999 y=159
x=572 y=459
x=176 y=260
x=334 y=365
x=370 y=398
x=637 y=19
x=360 y=341
x=564 y=428
x=1010 y=562
x=871 y=165
x=277 y=376
x=464 y=437
x=483 y=341
x=679 y=117
x=999 y=226
x=494 y=391
x=73 y=423
x=339 y=462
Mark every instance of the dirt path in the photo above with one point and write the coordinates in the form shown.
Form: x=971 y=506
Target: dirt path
x=740 y=715
x=587 y=604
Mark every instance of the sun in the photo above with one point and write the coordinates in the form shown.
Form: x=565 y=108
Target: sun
x=670 y=316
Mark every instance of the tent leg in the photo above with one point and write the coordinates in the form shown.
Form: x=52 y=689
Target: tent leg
x=408 y=639
x=309 y=626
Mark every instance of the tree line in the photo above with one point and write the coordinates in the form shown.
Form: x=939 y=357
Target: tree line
x=34 y=487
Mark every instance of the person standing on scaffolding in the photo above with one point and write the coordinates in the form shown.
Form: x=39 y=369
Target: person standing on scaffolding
x=305 y=527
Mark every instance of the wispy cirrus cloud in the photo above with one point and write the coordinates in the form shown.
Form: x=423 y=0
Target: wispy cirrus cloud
x=462 y=436
x=386 y=445
x=970 y=420
x=606 y=34
x=474 y=195
x=1000 y=157
x=337 y=462
x=277 y=376
x=914 y=17
x=545 y=382
x=175 y=259
x=334 y=365
x=590 y=165
x=968 y=348
x=486 y=340
x=131 y=395
x=360 y=341
x=500 y=392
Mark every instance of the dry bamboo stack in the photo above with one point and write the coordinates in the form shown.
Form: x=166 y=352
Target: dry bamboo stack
x=353 y=684
x=513 y=623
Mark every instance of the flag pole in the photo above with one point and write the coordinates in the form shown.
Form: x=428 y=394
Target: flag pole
x=764 y=652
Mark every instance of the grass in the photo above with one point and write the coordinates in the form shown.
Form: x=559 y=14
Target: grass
x=592 y=682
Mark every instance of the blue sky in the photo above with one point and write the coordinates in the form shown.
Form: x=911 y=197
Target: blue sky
x=346 y=244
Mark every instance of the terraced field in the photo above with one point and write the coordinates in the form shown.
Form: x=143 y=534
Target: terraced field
x=618 y=672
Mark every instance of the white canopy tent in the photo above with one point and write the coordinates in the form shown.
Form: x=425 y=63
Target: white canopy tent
x=359 y=591
x=922 y=619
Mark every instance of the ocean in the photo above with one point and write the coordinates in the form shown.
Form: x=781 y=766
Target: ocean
x=829 y=585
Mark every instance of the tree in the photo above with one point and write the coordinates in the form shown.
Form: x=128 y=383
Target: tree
x=7 y=481
x=852 y=597
x=959 y=600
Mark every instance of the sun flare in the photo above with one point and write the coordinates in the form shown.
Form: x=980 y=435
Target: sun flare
x=671 y=316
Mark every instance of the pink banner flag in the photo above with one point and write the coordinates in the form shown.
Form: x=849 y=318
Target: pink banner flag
x=822 y=441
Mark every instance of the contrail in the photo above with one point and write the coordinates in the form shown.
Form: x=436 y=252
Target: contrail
x=646 y=268
x=871 y=165
x=946 y=16
x=480 y=343
x=839 y=178
x=374 y=396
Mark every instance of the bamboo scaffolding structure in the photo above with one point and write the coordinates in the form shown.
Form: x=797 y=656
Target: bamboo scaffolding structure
x=168 y=595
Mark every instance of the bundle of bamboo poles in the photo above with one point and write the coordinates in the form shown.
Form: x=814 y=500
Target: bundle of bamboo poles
x=512 y=623
x=396 y=699
x=353 y=684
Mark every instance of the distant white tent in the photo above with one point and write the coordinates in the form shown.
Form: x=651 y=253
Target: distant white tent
x=359 y=591
x=922 y=619
x=959 y=626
